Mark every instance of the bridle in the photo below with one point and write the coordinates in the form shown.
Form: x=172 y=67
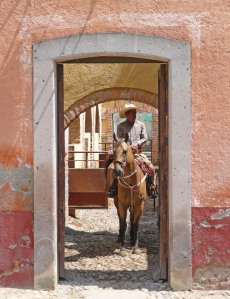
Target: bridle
x=123 y=183
x=122 y=164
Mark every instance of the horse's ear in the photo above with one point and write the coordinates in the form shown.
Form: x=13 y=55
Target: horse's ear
x=126 y=137
x=115 y=137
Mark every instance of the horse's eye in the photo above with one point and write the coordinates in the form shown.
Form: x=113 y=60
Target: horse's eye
x=124 y=152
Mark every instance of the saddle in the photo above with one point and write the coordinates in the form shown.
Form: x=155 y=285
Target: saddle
x=150 y=188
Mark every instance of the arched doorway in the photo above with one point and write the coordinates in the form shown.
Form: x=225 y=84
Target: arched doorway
x=46 y=55
x=86 y=180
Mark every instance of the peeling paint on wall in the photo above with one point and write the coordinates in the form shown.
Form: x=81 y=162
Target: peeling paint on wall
x=16 y=247
x=211 y=253
x=11 y=199
x=221 y=215
x=16 y=189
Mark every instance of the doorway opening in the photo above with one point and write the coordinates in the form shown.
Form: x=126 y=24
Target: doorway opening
x=46 y=58
x=122 y=80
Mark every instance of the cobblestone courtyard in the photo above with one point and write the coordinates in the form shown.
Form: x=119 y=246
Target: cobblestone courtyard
x=92 y=253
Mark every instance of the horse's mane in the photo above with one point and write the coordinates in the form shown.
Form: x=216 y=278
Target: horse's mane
x=107 y=163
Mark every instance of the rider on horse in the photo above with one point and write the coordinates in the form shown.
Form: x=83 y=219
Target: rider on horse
x=137 y=136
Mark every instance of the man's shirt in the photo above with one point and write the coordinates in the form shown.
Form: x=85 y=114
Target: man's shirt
x=136 y=131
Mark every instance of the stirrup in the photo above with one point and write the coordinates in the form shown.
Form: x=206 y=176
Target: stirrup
x=112 y=193
x=154 y=193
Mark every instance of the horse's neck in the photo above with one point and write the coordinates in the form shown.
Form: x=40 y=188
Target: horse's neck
x=131 y=166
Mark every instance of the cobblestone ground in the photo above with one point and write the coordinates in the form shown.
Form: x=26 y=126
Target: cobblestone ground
x=94 y=268
x=92 y=253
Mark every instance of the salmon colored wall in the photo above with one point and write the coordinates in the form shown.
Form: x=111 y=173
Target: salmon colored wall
x=205 y=24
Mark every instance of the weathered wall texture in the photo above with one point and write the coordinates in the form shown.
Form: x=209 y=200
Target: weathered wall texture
x=205 y=25
x=211 y=241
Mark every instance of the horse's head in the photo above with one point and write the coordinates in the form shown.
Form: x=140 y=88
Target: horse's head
x=122 y=155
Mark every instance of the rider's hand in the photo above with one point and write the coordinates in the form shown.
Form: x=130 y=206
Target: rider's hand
x=135 y=146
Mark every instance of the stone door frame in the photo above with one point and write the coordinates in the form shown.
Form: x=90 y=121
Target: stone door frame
x=45 y=57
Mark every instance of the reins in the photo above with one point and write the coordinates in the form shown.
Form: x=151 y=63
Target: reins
x=123 y=183
x=128 y=176
x=132 y=188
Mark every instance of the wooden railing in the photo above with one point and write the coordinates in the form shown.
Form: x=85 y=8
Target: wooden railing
x=107 y=150
x=87 y=159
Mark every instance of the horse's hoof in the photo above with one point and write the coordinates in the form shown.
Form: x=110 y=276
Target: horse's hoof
x=118 y=239
x=123 y=252
x=132 y=243
x=137 y=251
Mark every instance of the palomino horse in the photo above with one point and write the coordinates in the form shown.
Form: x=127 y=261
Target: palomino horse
x=131 y=192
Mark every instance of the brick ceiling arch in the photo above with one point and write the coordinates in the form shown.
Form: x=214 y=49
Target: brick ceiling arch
x=106 y=95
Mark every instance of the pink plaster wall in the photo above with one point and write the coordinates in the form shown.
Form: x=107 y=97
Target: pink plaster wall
x=205 y=24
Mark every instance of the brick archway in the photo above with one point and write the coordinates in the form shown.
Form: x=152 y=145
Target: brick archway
x=107 y=95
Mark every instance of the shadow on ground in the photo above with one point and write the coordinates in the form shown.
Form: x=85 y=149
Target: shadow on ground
x=92 y=258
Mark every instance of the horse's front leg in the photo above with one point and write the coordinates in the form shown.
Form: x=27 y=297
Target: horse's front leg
x=118 y=214
x=132 y=242
x=138 y=210
x=123 y=227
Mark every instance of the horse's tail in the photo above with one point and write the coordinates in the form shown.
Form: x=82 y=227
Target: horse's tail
x=107 y=163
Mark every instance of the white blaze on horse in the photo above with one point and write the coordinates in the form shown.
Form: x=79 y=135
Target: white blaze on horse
x=131 y=192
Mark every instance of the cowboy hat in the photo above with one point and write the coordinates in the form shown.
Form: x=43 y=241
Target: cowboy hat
x=127 y=108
